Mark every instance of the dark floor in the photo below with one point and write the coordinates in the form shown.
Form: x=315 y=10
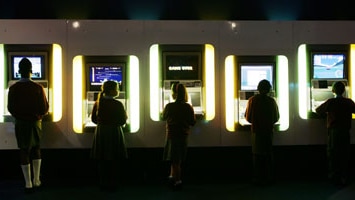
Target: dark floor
x=282 y=190
x=209 y=173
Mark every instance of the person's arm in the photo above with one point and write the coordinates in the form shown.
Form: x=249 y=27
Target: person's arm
x=94 y=113
x=192 y=118
x=11 y=103
x=322 y=109
x=121 y=114
x=248 y=111
x=352 y=106
x=165 y=112
x=277 y=113
x=43 y=103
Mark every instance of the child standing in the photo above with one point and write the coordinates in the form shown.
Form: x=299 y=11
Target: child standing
x=179 y=116
x=109 y=144
x=28 y=103
x=262 y=112
x=339 y=115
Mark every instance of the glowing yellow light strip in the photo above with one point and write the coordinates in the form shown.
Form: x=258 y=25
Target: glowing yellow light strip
x=57 y=82
x=2 y=82
x=78 y=94
x=302 y=82
x=230 y=93
x=134 y=93
x=352 y=73
x=283 y=94
x=154 y=82
x=209 y=82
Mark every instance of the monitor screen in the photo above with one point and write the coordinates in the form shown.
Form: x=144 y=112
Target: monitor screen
x=182 y=65
x=251 y=75
x=38 y=65
x=195 y=99
x=99 y=73
x=328 y=66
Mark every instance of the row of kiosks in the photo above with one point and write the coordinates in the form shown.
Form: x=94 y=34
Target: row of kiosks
x=183 y=64
x=243 y=74
x=99 y=69
x=327 y=64
x=41 y=57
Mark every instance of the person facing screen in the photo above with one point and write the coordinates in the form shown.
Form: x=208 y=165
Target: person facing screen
x=179 y=116
x=27 y=103
x=262 y=112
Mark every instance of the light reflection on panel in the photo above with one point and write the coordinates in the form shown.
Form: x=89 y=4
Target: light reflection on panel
x=230 y=93
x=303 y=85
x=57 y=82
x=2 y=82
x=134 y=94
x=209 y=82
x=154 y=82
x=78 y=94
x=352 y=73
x=283 y=92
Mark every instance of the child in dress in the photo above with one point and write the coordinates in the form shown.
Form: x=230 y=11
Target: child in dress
x=109 y=144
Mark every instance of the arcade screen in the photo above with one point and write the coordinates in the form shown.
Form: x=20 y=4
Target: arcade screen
x=182 y=65
x=38 y=62
x=99 y=73
x=328 y=66
x=251 y=75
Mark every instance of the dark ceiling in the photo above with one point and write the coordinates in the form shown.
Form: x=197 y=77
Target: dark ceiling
x=178 y=9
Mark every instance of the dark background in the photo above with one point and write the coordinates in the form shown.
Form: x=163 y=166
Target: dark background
x=178 y=9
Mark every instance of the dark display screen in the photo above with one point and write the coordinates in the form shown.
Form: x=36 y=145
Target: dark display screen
x=182 y=65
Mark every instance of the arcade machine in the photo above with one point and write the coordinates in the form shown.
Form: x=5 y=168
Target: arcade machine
x=328 y=64
x=98 y=70
x=41 y=57
x=252 y=70
x=183 y=64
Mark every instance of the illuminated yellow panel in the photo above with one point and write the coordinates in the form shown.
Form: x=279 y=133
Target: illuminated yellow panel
x=2 y=81
x=283 y=92
x=134 y=94
x=303 y=89
x=209 y=82
x=230 y=93
x=154 y=83
x=352 y=73
x=78 y=94
x=57 y=82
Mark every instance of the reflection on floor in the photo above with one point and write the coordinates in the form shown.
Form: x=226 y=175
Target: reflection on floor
x=281 y=190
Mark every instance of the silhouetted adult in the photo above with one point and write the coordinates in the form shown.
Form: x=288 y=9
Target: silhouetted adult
x=339 y=112
x=262 y=112
x=27 y=103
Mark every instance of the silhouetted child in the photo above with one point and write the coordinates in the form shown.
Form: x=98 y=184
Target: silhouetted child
x=262 y=112
x=179 y=116
x=339 y=112
x=109 y=144
x=28 y=103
